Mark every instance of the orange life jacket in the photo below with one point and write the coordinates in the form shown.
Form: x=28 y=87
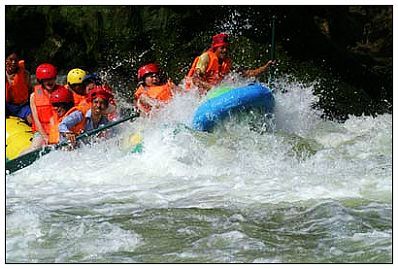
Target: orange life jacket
x=77 y=129
x=45 y=112
x=17 y=92
x=214 y=72
x=161 y=93
x=81 y=102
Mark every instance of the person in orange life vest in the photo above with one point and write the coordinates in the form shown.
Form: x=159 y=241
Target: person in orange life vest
x=74 y=83
x=63 y=105
x=99 y=98
x=214 y=64
x=92 y=80
x=151 y=93
x=18 y=88
x=44 y=116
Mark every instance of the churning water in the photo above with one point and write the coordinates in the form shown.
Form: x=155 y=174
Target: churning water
x=306 y=190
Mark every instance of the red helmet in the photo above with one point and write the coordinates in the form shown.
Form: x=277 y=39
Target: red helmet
x=46 y=71
x=102 y=91
x=61 y=95
x=146 y=69
x=219 y=40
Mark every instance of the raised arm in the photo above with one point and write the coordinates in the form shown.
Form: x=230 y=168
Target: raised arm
x=259 y=70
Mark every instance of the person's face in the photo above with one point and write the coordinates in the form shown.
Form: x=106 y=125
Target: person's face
x=98 y=105
x=49 y=84
x=89 y=86
x=222 y=52
x=79 y=88
x=151 y=79
x=12 y=64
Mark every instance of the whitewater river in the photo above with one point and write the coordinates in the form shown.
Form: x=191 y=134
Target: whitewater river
x=304 y=191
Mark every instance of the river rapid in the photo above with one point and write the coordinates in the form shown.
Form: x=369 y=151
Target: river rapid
x=292 y=188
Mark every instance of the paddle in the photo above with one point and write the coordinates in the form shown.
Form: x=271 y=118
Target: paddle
x=28 y=158
x=271 y=73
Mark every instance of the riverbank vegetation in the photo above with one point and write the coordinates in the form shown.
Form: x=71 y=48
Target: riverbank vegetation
x=347 y=49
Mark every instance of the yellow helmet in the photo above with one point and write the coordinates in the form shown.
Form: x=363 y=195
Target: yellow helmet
x=75 y=76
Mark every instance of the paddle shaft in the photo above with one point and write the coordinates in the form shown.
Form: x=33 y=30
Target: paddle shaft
x=273 y=38
x=28 y=158
x=95 y=131
x=271 y=73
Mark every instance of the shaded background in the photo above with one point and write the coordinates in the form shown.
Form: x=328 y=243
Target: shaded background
x=346 y=49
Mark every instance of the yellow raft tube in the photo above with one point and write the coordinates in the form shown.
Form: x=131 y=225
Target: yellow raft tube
x=18 y=137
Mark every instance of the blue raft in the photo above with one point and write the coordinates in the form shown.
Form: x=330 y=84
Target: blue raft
x=222 y=102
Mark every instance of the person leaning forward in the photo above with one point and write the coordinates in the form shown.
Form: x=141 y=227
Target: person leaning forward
x=99 y=98
x=213 y=65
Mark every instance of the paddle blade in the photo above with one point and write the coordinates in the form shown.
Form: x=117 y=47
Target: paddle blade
x=25 y=160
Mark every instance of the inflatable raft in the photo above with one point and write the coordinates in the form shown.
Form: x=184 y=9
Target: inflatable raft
x=222 y=102
x=18 y=137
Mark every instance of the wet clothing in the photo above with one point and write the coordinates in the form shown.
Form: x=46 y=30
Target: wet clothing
x=17 y=93
x=210 y=68
x=17 y=89
x=76 y=128
x=162 y=93
x=81 y=102
x=75 y=118
x=69 y=121
x=89 y=125
x=21 y=111
x=47 y=116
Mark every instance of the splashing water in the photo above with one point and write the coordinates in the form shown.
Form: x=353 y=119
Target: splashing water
x=233 y=24
x=308 y=191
